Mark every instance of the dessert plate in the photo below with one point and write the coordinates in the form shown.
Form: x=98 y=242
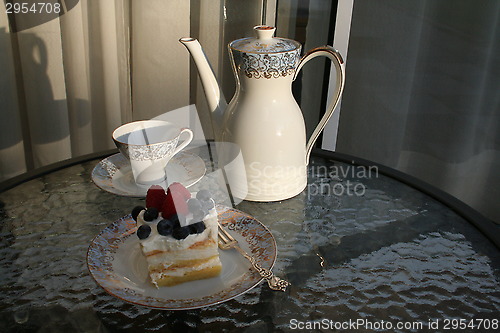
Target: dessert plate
x=115 y=261
x=114 y=173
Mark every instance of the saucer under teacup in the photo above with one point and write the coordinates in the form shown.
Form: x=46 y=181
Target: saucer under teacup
x=114 y=173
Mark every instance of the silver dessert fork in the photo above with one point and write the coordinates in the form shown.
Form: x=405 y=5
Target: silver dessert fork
x=226 y=242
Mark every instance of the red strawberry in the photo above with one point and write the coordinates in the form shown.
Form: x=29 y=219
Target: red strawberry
x=155 y=197
x=168 y=208
x=179 y=188
x=174 y=204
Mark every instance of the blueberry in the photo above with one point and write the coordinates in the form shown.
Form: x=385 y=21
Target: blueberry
x=143 y=231
x=198 y=215
x=165 y=227
x=194 y=204
x=181 y=232
x=203 y=195
x=207 y=205
x=174 y=218
x=150 y=214
x=178 y=219
x=136 y=211
x=197 y=228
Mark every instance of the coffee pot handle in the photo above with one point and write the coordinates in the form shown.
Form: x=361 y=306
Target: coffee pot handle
x=337 y=60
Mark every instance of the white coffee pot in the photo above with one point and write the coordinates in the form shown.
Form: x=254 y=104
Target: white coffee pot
x=263 y=118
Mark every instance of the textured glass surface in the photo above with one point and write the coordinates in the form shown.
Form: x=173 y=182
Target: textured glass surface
x=381 y=251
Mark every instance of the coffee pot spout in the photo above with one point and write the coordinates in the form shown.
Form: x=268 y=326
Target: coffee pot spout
x=216 y=101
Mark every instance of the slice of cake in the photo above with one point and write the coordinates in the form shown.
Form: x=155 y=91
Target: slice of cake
x=178 y=235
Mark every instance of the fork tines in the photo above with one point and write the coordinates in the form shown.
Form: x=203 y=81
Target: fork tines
x=226 y=241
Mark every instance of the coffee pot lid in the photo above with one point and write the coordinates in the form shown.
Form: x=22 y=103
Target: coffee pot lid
x=264 y=42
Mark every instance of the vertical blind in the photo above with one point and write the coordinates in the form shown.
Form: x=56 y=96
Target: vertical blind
x=423 y=95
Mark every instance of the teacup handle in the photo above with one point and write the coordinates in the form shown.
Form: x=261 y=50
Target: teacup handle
x=186 y=141
x=337 y=60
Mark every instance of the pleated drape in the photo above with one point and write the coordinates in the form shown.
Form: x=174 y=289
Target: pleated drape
x=65 y=86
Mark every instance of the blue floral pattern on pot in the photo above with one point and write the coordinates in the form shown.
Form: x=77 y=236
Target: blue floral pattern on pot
x=270 y=65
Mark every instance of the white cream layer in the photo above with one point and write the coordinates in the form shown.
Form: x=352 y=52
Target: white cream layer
x=173 y=257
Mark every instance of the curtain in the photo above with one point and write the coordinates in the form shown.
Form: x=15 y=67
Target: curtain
x=68 y=80
x=65 y=83
x=423 y=94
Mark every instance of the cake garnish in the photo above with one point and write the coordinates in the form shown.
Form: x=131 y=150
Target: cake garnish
x=143 y=231
x=207 y=205
x=178 y=219
x=181 y=232
x=179 y=188
x=166 y=227
x=135 y=212
x=197 y=228
x=150 y=214
x=155 y=197
x=178 y=235
x=203 y=195
x=175 y=202
x=206 y=201
x=194 y=204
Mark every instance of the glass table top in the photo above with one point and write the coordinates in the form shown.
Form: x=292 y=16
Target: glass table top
x=356 y=245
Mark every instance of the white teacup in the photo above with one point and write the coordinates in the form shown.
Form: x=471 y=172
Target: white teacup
x=149 y=145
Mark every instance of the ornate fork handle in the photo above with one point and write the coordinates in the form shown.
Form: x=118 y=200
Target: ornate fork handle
x=226 y=241
x=274 y=282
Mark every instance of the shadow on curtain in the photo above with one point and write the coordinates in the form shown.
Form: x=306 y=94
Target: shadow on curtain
x=63 y=85
x=423 y=95
x=69 y=80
